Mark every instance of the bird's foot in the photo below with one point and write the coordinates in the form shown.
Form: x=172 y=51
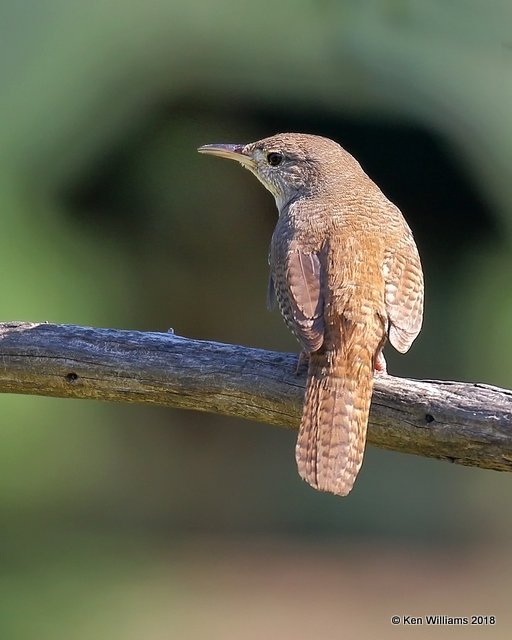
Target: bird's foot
x=380 y=365
x=302 y=360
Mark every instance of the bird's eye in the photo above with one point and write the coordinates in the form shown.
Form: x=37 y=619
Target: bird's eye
x=274 y=159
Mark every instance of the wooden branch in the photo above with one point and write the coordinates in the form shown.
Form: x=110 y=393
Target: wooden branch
x=467 y=423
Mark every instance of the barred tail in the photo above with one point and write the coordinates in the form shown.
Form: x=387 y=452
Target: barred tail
x=332 y=435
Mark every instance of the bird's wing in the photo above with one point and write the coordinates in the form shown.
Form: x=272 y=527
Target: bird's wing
x=303 y=274
x=271 y=293
x=404 y=292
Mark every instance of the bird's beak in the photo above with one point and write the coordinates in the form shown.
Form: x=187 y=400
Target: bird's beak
x=230 y=151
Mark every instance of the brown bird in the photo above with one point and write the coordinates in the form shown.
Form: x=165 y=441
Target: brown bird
x=346 y=274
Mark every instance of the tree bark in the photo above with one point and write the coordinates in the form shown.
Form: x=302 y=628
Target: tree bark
x=467 y=423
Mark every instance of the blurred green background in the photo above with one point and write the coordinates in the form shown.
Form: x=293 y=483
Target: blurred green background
x=132 y=522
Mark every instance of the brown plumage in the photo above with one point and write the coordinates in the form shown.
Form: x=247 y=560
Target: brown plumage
x=346 y=275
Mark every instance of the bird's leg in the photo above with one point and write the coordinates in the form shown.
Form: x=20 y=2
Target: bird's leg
x=302 y=360
x=380 y=367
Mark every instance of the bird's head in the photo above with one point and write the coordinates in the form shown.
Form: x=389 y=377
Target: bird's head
x=289 y=165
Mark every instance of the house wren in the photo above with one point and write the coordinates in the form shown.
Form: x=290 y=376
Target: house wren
x=346 y=274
